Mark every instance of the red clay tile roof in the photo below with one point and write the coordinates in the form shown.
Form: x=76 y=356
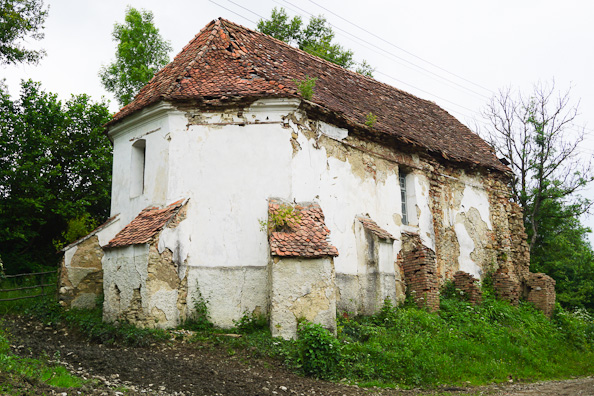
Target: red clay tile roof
x=227 y=61
x=374 y=228
x=305 y=237
x=140 y=230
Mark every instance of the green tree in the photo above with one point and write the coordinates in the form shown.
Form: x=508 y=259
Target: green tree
x=140 y=53
x=315 y=38
x=55 y=167
x=537 y=135
x=19 y=19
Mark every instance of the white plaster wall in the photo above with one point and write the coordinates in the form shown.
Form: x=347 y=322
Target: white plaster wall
x=152 y=125
x=473 y=196
x=343 y=195
x=228 y=172
x=127 y=269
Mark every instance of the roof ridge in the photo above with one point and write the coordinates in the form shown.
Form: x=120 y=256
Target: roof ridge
x=331 y=64
x=211 y=26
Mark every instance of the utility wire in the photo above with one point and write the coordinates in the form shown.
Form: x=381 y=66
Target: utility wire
x=474 y=112
x=247 y=19
x=391 y=54
x=402 y=49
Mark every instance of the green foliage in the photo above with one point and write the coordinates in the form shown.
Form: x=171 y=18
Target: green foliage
x=55 y=166
x=251 y=322
x=370 y=120
x=141 y=52
x=408 y=347
x=17 y=369
x=306 y=86
x=315 y=38
x=199 y=319
x=76 y=229
x=18 y=306
x=286 y=217
x=534 y=132
x=319 y=350
x=20 y=19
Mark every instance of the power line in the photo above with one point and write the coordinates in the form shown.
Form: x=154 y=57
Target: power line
x=390 y=53
x=402 y=49
x=474 y=112
x=233 y=12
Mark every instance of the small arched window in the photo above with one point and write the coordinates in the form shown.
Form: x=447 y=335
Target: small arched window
x=137 y=168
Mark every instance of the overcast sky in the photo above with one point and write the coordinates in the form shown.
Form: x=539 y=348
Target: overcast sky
x=457 y=53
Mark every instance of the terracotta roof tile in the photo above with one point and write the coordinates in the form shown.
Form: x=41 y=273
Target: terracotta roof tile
x=142 y=229
x=374 y=228
x=307 y=236
x=226 y=61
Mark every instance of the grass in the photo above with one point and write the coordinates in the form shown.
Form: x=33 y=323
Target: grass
x=89 y=323
x=400 y=346
x=15 y=370
x=460 y=345
x=17 y=306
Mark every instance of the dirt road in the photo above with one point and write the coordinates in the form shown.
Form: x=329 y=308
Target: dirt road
x=182 y=369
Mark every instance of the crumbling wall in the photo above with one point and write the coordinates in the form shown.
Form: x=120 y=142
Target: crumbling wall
x=541 y=292
x=376 y=272
x=147 y=284
x=420 y=272
x=81 y=275
x=470 y=286
x=301 y=288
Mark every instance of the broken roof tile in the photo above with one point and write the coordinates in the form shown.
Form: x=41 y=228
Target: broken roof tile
x=374 y=228
x=203 y=72
x=144 y=226
x=306 y=236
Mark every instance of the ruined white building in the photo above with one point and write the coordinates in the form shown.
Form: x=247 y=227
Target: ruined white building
x=229 y=183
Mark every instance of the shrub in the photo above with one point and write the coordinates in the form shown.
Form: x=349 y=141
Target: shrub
x=306 y=87
x=319 y=351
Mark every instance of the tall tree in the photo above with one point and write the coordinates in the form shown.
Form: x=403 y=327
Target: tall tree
x=140 y=53
x=538 y=135
x=55 y=169
x=315 y=38
x=20 y=19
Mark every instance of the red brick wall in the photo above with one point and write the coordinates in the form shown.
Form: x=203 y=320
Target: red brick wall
x=541 y=292
x=469 y=285
x=420 y=272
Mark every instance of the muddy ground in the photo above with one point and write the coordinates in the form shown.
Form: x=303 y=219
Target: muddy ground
x=180 y=369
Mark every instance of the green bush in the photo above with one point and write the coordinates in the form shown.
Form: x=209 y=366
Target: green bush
x=319 y=351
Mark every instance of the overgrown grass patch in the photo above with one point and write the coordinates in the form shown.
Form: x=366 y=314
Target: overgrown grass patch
x=460 y=345
x=15 y=369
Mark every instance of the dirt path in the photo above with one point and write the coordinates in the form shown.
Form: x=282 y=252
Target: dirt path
x=181 y=369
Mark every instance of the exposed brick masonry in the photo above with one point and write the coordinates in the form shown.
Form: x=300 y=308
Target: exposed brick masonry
x=469 y=285
x=420 y=271
x=541 y=292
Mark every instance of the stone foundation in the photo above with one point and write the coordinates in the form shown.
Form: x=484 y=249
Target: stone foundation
x=81 y=275
x=301 y=289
